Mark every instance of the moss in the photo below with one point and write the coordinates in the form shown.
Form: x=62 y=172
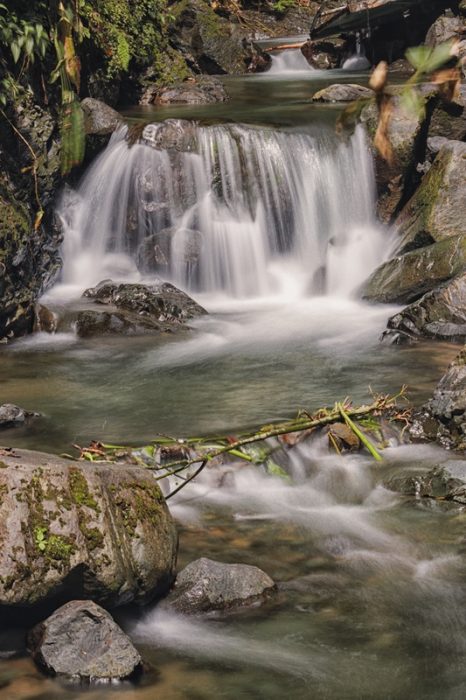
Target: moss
x=3 y=492
x=3 y=465
x=79 y=490
x=139 y=502
x=59 y=548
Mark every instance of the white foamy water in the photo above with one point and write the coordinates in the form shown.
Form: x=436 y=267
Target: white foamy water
x=288 y=62
x=248 y=213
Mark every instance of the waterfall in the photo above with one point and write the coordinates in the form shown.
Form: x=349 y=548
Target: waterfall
x=289 y=61
x=232 y=209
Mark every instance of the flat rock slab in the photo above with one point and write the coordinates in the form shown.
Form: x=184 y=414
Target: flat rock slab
x=206 y=586
x=81 y=642
x=79 y=530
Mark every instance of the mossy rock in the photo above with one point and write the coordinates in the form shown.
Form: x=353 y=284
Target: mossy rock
x=73 y=530
x=437 y=210
x=405 y=278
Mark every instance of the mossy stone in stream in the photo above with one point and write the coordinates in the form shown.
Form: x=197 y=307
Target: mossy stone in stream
x=78 y=530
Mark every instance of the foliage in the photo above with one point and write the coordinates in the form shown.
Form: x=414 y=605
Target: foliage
x=25 y=38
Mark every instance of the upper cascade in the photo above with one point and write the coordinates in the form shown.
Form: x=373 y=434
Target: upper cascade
x=231 y=209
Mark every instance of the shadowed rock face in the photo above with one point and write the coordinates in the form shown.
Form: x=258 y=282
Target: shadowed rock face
x=75 y=530
x=438 y=208
x=439 y=314
x=81 y=642
x=207 y=586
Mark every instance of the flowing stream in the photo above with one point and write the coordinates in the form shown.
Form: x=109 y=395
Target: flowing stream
x=268 y=221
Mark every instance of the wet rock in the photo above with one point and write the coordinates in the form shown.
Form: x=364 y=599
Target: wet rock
x=446 y=481
x=437 y=210
x=155 y=252
x=99 y=118
x=449 y=399
x=136 y=309
x=207 y=586
x=205 y=90
x=72 y=530
x=172 y=135
x=439 y=314
x=401 y=67
x=12 y=416
x=405 y=278
x=323 y=55
x=342 y=93
x=444 y=29
x=81 y=642
x=405 y=132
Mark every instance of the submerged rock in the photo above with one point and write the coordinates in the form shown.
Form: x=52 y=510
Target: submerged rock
x=155 y=252
x=206 y=586
x=136 y=309
x=173 y=134
x=342 y=93
x=405 y=278
x=437 y=210
x=439 y=314
x=12 y=416
x=74 y=530
x=81 y=642
x=446 y=481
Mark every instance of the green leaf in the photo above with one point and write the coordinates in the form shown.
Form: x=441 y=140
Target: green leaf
x=16 y=51
x=426 y=59
x=275 y=469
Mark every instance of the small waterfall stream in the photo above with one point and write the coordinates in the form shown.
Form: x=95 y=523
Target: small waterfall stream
x=234 y=210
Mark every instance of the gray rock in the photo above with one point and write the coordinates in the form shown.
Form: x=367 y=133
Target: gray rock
x=78 y=530
x=206 y=90
x=81 y=642
x=342 y=93
x=437 y=210
x=405 y=133
x=439 y=314
x=324 y=55
x=449 y=399
x=99 y=118
x=444 y=29
x=405 y=278
x=207 y=586
x=12 y=415
x=446 y=481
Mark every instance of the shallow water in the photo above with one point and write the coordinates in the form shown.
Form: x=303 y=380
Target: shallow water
x=372 y=600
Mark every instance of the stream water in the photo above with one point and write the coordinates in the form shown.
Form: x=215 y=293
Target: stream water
x=372 y=599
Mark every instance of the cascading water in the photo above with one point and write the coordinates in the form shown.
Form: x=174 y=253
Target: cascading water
x=233 y=210
x=288 y=62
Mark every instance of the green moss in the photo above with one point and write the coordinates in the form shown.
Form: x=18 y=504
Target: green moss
x=139 y=502
x=79 y=490
x=3 y=465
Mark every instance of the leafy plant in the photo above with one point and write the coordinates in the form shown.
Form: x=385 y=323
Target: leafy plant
x=24 y=38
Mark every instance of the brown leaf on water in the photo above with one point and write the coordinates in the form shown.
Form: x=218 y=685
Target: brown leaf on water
x=381 y=139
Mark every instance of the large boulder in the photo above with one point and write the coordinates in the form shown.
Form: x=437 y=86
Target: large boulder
x=99 y=118
x=437 y=210
x=81 y=642
x=136 y=309
x=439 y=314
x=405 y=132
x=206 y=586
x=405 y=278
x=342 y=93
x=78 y=530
